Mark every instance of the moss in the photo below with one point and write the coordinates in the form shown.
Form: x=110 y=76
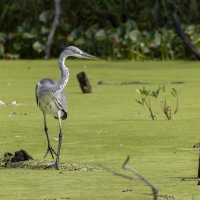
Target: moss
x=36 y=164
x=103 y=127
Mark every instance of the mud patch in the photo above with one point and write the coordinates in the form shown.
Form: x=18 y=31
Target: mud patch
x=41 y=165
x=35 y=164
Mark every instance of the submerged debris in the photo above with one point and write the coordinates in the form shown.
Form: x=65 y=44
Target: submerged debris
x=134 y=83
x=2 y=103
x=12 y=103
x=127 y=190
x=16 y=113
x=197 y=145
x=166 y=196
x=20 y=155
x=8 y=156
x=177 y=82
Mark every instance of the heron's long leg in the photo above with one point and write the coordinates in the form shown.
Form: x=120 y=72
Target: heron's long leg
x=60 y=141
x=49 y=148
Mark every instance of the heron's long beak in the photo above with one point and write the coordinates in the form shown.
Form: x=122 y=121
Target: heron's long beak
x=88 y=56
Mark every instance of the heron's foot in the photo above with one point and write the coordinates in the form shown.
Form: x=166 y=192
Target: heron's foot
x=51 y=151
x=54 y=165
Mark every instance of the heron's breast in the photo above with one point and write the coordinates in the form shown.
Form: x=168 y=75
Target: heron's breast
x=48 y=106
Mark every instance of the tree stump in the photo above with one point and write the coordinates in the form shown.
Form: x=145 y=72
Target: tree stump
x=198 y=178
x=84 y=82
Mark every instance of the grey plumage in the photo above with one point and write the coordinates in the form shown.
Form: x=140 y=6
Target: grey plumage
x=50 y=97
x=59 y=99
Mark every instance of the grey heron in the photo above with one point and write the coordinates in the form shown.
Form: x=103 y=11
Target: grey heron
x=51 y=99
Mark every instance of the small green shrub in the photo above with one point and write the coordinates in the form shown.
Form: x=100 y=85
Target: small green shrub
x=162 y=94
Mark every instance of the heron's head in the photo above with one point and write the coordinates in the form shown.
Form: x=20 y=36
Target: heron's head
x=76 y=52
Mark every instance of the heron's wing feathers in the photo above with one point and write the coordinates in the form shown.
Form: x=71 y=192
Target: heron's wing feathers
x=44 y=84
x=43 y=87
x=62 y=104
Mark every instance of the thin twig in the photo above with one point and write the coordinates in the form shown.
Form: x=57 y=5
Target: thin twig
x=149 y=108
x=140 y=177
x=184 y=37
x=176 y=109
x=116 y=173
x=54 y=26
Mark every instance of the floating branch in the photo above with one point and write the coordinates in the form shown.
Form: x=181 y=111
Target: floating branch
x=198 y=173
x=198 y=176
x=139 y=176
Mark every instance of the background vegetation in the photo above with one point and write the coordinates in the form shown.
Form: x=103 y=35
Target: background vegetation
x=115 y=29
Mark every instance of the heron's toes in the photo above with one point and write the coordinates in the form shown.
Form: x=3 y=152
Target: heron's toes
x=51 y=151
x=54 y=165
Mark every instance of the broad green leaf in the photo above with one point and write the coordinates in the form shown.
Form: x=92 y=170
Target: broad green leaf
x=190 y=30
x=79 y=42
x=44 y=30
x=70 y=38
x=158 y=91
x=138 y=90
x=37 y=46
x=45 y=16
x=144 y=48
x=163 y=88
x=2 y=37
x=174 y=92
x=1 y=50
x=153 y=94
x=130 y=25
x=17 y=46
x=28 y=35
x=134 y=35
x=100 y=35
x=157 y=39
x=75 y=34
x=140 y=101
x=144 y=92
x=90 y=32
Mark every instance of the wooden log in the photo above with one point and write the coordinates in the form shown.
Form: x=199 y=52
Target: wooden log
x=198 y=175
x=84 y=82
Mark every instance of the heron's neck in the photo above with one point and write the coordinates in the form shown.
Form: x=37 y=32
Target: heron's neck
x=64 y=74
